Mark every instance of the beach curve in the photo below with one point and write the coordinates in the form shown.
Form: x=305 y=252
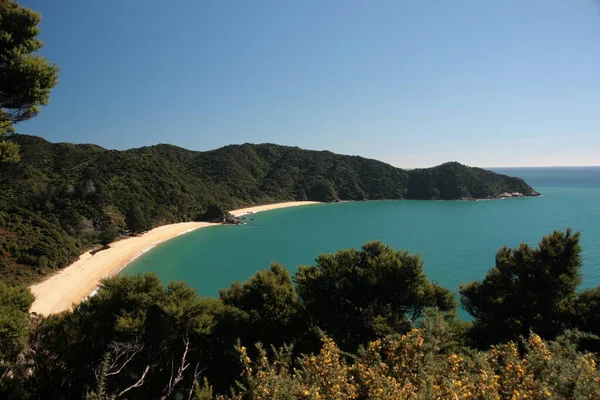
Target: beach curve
x=72 y=284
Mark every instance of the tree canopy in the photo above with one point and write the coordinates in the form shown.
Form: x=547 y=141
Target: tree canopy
x=14 y=308
x=362 y=324
x=586 y=311
x=215 y=213
x=267 y=308
x=529 y=289
x=135 y=327
x=26 y=78
x=135 y=219
x=357 y=296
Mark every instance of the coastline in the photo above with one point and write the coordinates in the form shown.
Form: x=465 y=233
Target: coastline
x=268 y=207
x=74 y=283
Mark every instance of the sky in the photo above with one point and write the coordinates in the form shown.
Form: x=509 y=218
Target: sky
x=412 y=83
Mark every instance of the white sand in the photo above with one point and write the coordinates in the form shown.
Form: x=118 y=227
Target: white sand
x=72 y=284
x=268 y=207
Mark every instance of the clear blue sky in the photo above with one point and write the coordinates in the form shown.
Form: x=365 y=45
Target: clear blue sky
x=412 y=83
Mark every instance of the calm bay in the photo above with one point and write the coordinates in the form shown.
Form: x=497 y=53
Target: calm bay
x=456 y=239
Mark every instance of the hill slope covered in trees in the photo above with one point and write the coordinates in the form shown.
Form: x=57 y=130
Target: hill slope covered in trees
x=62 y=198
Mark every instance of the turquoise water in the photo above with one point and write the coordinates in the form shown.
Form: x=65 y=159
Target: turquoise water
x=457 y=240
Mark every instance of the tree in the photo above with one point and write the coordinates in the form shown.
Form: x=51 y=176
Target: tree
x=587 y=311
x=264 y=309
x=322 y=191
x=267 y=308
x=136 y=337
x=527 y=290
x=14 y=315
x=9 y=152
x=26 y=79
x=357 y=296
x=107 y=235
x=214 y=213
x=136 y=221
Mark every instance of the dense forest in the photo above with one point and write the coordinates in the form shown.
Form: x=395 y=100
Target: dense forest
x=357 y=324
x=61 y=198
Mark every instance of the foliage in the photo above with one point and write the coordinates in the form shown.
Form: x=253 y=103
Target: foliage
x=9 y=152
x=81 y=190
x=99 y=393
x=108 y=235
x=587 y=311
x=267 y=309
x=455 y=181
x=443 y=332
x=407 y=367
x=369 y=293
x=214 y=213
x=135 y=219
x=527 y=290
x=26 y=78
x=139 y=326
x=14 y=309
x=31 y=247
x=137 y=338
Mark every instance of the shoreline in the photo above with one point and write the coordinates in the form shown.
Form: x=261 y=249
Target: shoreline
x=76 y=282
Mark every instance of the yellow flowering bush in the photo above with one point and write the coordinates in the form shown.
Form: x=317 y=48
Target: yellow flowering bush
x=265 y=379
x=389 y=368
x=404 y=367
x=326 y=375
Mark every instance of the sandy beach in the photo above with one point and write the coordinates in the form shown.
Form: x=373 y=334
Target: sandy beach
x=72 y=284
x=251 y=210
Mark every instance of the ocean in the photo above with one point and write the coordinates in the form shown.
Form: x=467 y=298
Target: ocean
x=457 y=240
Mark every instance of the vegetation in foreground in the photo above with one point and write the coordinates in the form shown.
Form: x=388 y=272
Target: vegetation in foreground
x=358 y=324
x=362 y=324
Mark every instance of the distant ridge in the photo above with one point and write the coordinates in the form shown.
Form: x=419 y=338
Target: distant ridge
x=57 y=201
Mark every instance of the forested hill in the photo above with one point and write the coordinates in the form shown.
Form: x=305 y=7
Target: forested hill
x=62 y=198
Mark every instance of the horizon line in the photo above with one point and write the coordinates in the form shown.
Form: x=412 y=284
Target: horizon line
x=551 y=166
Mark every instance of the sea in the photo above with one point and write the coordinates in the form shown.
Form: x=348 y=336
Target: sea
x=457 y=240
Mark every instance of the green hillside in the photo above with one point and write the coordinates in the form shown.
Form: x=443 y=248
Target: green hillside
x=62 y=198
